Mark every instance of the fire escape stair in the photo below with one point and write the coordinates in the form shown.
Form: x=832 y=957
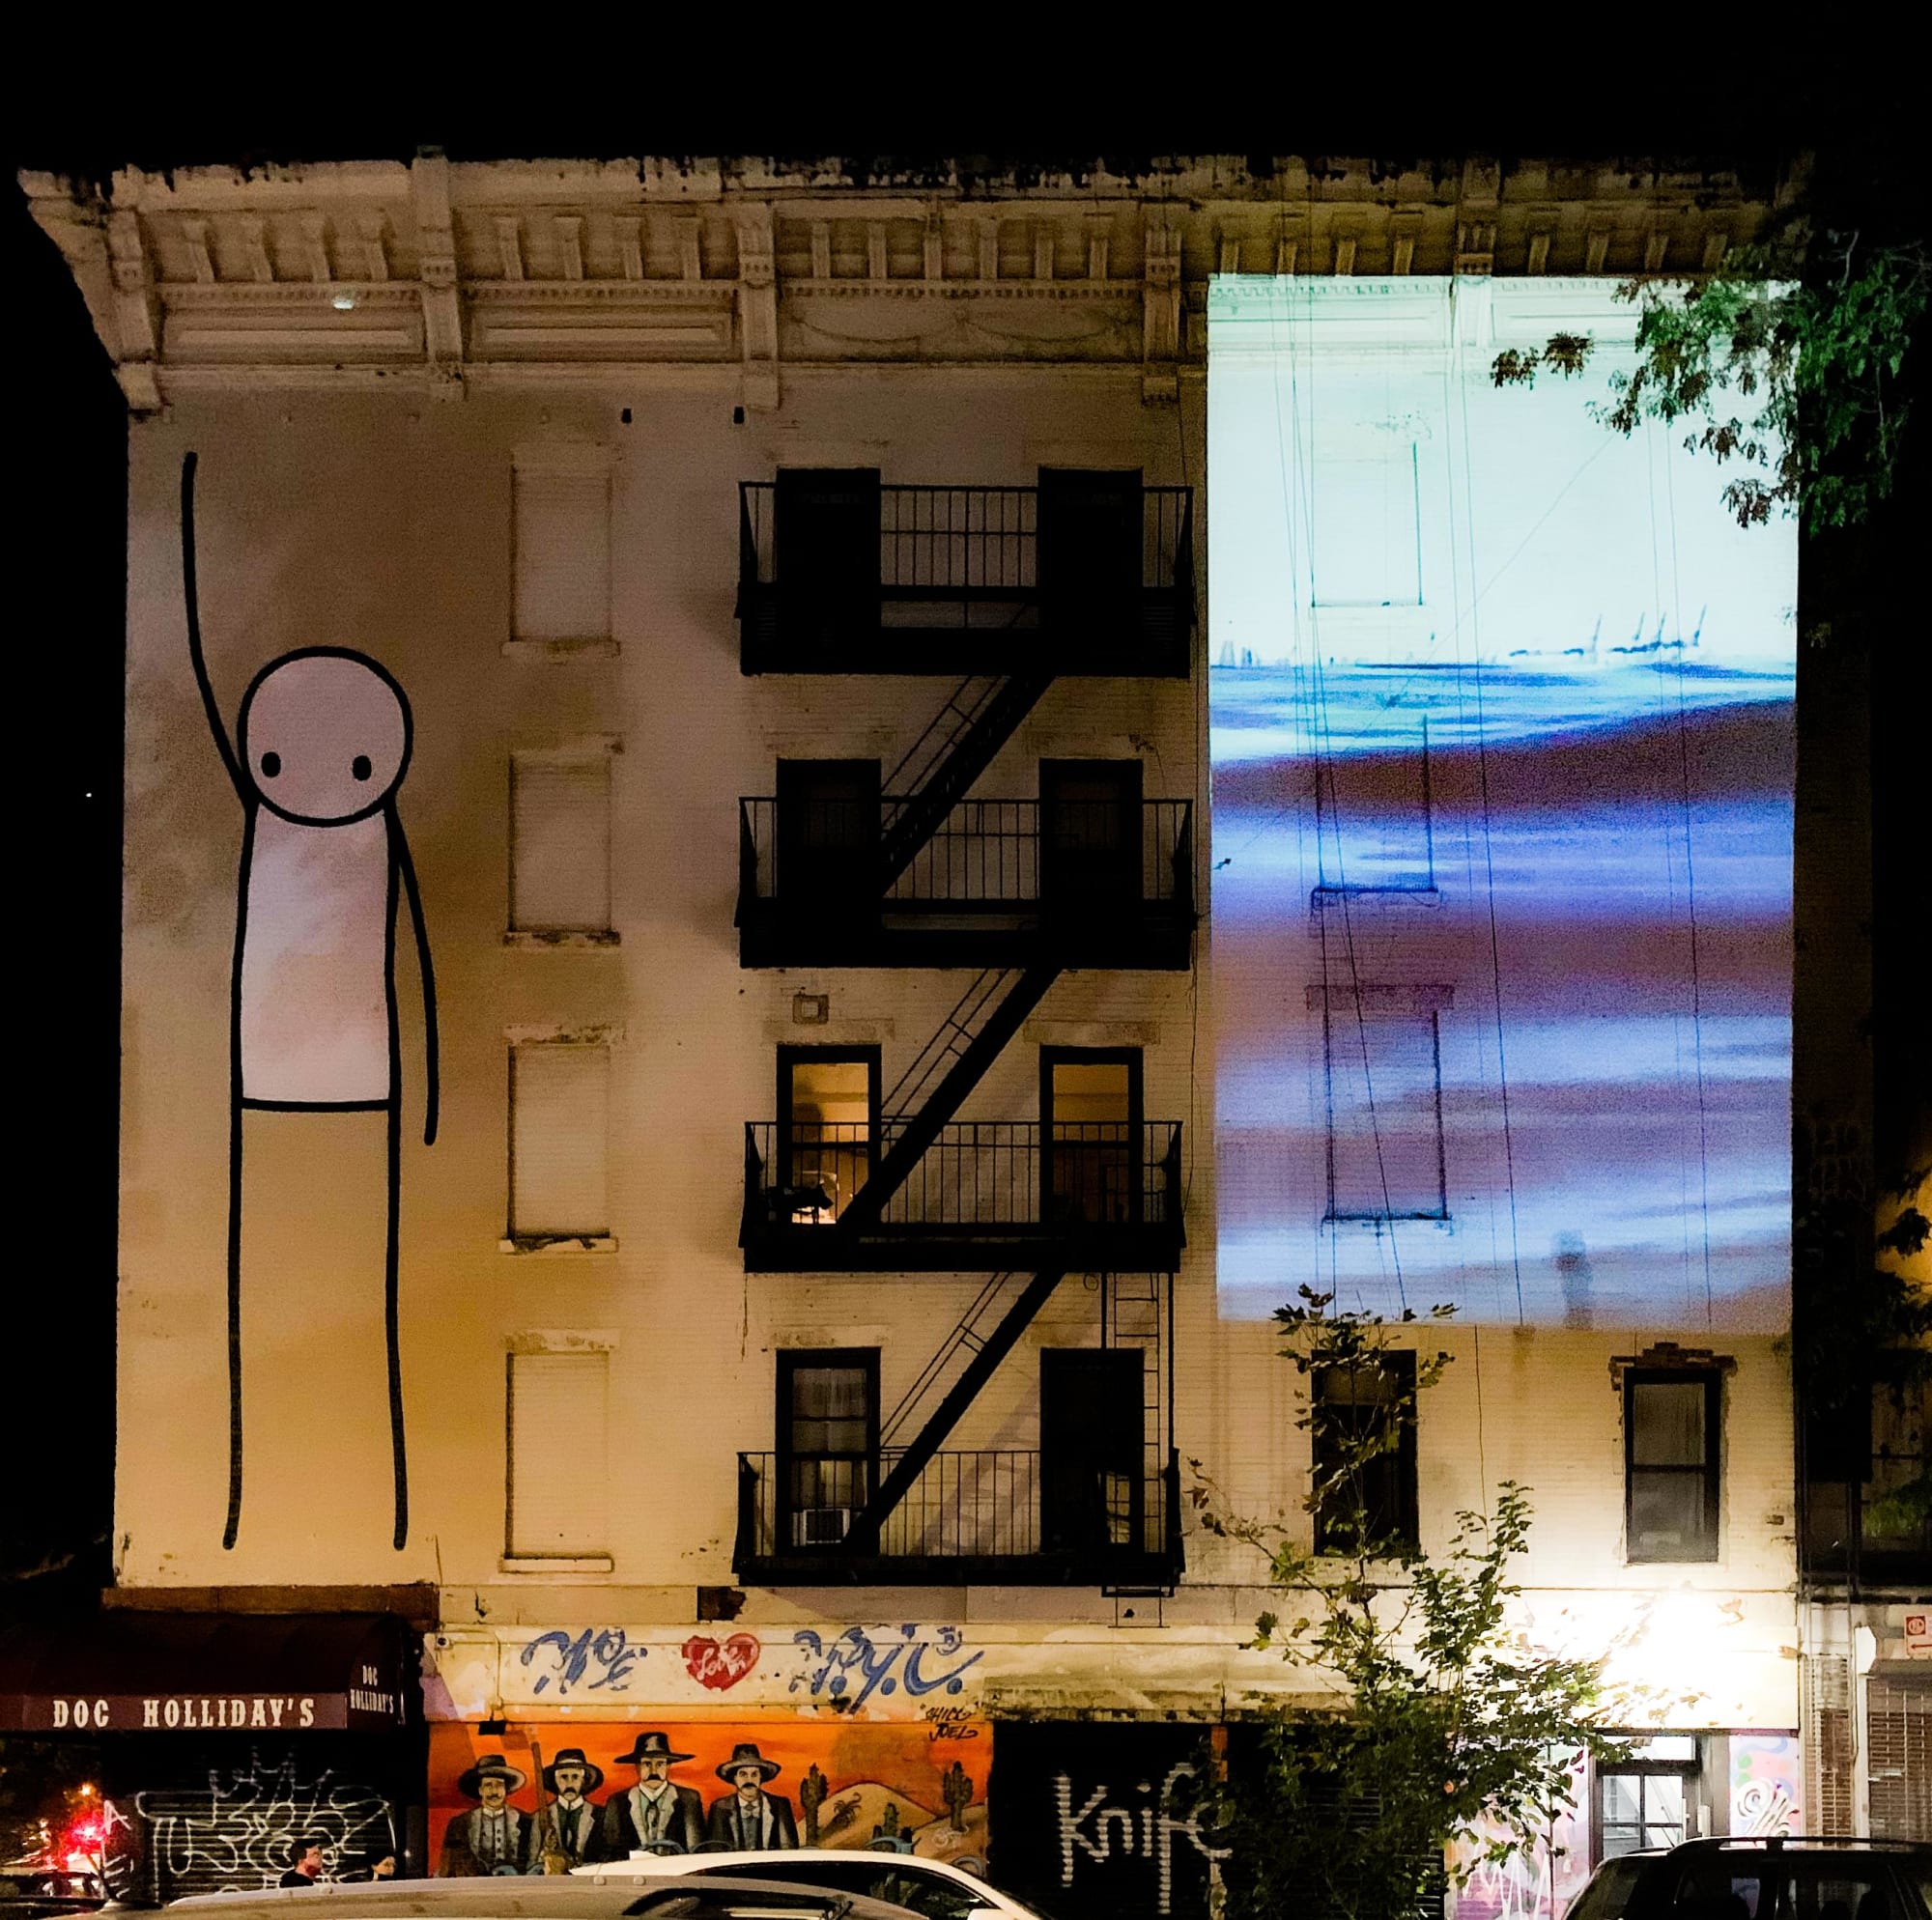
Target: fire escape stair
x=988 y=1351
x=951 y=1064
x=978 y=720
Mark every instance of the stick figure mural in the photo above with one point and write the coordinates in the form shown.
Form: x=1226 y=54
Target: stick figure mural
x=322 y=743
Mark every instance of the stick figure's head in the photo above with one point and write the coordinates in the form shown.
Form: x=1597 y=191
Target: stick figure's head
x=325 y=736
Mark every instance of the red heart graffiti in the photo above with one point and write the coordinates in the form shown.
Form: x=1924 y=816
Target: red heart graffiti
x=715 y=1666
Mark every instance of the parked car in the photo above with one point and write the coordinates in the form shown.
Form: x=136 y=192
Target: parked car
x=1778 y=1878
x=46 y=1893
x=543 y=1896
x=935 y=1889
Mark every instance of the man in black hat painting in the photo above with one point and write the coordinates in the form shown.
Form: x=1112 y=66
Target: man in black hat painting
x=748 y=1817
x=655 y=1816
x=489 y=1839
x=568 y=1824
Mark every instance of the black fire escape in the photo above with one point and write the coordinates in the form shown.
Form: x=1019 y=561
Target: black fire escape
x=1008 y=589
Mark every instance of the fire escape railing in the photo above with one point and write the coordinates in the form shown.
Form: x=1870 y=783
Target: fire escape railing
x=985 y=855
x=967 y=1505
x=999 y=1176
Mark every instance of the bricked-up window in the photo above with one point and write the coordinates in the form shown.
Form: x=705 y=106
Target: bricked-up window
x=556 y=1424
x=559 y=1125
x=1670 y=1463
x=561 y=553
x=1350 y=1404
x=561 y=842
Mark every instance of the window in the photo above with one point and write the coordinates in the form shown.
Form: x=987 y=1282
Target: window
x=1651 y=1801
x=1091 y=814
x=561 y=555
x=828 y=1109
x=1670 y=1454
x=828 y=830
x=1090 y=1101
x=561 y=842
x=1350 y=1404
x=1385 y=1089
x=828 y=1432
x=559 y=1123
x=557 y=1424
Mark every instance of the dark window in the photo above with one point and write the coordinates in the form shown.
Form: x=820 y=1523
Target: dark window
x=1670 y=1455
x=1091 y=1447
x=828 y=830
x=1351 y=1403
x=828 y=1128
x=826 y=547
x=1090 y=834
x=1090 y=1100
x=828 y=1435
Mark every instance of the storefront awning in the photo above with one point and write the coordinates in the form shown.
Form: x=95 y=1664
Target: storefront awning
x=162 y=1673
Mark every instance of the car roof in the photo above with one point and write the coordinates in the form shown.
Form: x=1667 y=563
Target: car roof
x=546 y=1897
x=1796 y=1843
x=646 y=1866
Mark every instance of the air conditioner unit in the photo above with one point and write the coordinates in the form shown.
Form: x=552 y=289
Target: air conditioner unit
x=821 y=1526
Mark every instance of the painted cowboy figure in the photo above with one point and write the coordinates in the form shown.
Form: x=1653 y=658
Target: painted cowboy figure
x=656 y=1816
x=568 y=1824
x=748 y=1817
x=491 y=1838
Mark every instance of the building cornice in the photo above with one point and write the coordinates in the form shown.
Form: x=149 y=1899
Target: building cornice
x=437 y=271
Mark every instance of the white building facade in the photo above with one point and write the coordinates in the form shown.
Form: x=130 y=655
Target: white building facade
x=807 y=1316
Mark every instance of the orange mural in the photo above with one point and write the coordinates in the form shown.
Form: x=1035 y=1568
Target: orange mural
x=600 y=1790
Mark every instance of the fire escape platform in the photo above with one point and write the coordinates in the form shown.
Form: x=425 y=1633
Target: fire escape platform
x=784 y=1246
x=1159 y=938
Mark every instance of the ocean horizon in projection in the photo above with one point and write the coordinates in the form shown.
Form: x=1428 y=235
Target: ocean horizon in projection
x=1500 y=724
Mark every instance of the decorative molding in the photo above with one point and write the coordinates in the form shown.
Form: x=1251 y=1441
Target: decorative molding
x=1160 y=307
x=759 y=307
x=435 y=254
x=1666 y=1356
x=591 y=295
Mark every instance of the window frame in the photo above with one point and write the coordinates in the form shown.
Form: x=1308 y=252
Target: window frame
x=1134 y=1060
x=790 y=1360
x=1406 y=1527
x=1711 y=1471
x=791 y=1054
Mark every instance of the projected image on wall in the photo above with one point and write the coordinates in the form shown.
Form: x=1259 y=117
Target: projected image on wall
x=1501 y=738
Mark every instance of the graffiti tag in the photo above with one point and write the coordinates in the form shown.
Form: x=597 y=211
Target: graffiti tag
x=604 y=1652
x=720 y=1666
x=244 y=1828
x=949 y=1723
x=832 y=1668
x=1147 y=1831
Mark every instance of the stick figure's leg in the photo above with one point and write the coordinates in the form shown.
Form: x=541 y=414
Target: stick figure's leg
x=396 y=1439
x=233 y=1526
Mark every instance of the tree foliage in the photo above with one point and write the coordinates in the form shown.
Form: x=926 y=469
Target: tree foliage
x=1786 y=365
x=1447 y=1724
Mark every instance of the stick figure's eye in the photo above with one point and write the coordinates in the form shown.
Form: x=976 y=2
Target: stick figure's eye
x=359 y=766
x=271 y=764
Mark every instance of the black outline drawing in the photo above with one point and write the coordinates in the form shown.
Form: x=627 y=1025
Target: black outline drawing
x=401 y=868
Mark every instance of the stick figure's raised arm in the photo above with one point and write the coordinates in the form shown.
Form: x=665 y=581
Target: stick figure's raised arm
x=194 y=650
x=408 y=868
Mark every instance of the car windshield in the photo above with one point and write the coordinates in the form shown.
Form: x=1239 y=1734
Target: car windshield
x=878 y=1877
x=1788 y=1885
x=1608 y=1892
